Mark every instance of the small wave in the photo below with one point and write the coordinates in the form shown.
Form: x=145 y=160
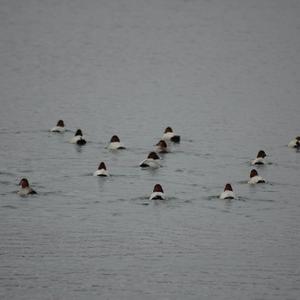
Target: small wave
x=4 y=182
x=241 y=198
x=6 y=173
x=54 y=193
x=26 y=171
x=242 y=182
x=172 y=198
x=9 y=206
x=237 y=198
x=82 y=207
x=117 y=200
x=262 y=200
x=212 y=197
x=140 y=198
x=87 y=175
x=188 y=201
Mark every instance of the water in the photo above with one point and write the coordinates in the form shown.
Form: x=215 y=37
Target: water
x=224 y=75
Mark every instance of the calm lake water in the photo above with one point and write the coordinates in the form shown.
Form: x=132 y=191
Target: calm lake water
x=224 y=75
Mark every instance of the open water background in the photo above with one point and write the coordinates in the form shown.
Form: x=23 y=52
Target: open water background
x=223 y=74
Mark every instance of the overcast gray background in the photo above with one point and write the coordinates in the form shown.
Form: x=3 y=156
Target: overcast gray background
x=223 y=74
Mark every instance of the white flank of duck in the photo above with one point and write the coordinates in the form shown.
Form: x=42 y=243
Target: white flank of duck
x=78 y=138
x=255 y=178
x=260 y=158
x=152 y=161
x=60 y=127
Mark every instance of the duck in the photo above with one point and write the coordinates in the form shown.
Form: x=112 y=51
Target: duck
x=294 y=142
x=259 y=160
x=255 y=178
x=25 y=188
x=78 y=138
x=169 y=135
x=162 y=147
x=228 y=192
x=60 y=127
x=115 y=143
x=158 y=193
x=152 y=161
x=102 y=170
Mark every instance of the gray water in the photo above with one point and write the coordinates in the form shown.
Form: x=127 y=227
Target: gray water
x=223 y=74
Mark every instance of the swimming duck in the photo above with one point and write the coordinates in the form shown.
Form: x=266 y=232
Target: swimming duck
x=162 y=147
x=228 y=192
x=152 y=161
x=158 y=193
x=78 y=138
x=25 y=188
x=60 y=127
x=293 y=143
x=170 y=136
x=115 y=143
x=102 y=170
x=259 y=160
x=255 y=178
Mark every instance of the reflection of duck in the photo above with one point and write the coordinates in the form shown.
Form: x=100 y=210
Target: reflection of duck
x=162 y=147
x=152 y=161
x=25 y=188
x=78 y=138
x=255 y=178
x=259 y=160
x=170 y=136
x=294 y=143
x=228 y=192
x=115 y=143
x=60 y=127
x=102 y=171
x=158 y=193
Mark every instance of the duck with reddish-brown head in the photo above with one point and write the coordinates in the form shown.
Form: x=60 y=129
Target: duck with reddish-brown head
x=25 y=188
x=162 y=147
x=115 y=143
x=228 y=192
x=152 y=161
x=158 y=193
x=78 y=138
x=60 y=127
x=255 y=178
x=102 y=170
x=169 y=135
x=260 y=158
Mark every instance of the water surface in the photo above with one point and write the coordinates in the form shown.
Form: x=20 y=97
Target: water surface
x=224 y=75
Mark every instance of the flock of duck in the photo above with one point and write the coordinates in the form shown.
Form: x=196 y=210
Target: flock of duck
x=153 y=161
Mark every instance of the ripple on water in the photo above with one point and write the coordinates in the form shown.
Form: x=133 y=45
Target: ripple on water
x=9 y=206
x=6 y=173
x=104 y=234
